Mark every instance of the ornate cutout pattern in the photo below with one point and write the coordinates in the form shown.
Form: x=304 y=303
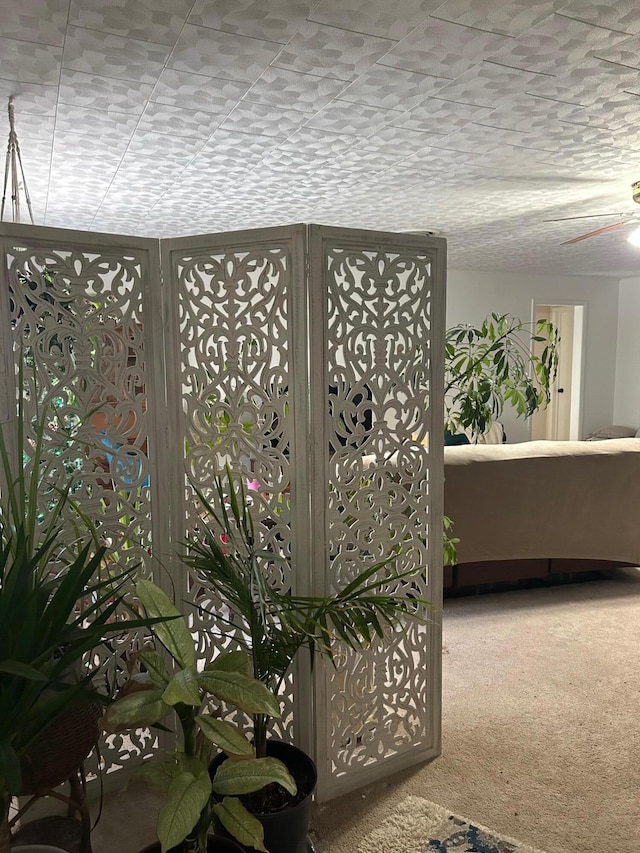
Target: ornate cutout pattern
x=235 y=360
x=77 y=321
x=379 y=367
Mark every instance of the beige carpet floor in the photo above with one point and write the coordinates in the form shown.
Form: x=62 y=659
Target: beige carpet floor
x=541 y=729
x=541 y=723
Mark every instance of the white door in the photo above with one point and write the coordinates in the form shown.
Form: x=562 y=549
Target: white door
x=560 y=420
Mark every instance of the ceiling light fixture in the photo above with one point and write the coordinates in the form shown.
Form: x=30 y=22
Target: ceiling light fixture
x=13 y=168
x=634 y=237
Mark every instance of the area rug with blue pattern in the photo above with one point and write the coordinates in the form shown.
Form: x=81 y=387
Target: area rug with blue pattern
x=419 y=826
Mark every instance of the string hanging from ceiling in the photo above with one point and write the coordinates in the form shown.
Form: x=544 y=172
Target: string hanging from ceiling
x=14 y=171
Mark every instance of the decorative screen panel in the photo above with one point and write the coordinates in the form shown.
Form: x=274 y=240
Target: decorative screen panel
x=77 y=338
x=309 y=359
x=235 y=387
x=379 y=412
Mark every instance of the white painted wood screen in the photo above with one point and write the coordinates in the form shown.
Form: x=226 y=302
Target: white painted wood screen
x=310 y=359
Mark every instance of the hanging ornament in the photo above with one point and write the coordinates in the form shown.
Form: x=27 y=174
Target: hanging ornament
x=13 y=171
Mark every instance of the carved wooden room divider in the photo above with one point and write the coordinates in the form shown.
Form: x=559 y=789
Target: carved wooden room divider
x=308 y=358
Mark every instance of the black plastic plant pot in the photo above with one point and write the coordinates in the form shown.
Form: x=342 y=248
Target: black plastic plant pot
x=286 y=830
x=215 y=844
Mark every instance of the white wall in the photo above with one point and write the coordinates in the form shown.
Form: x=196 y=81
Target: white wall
x=626 y=408
x=473 y=295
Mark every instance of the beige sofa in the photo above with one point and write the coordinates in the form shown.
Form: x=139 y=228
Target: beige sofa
x=542 y=508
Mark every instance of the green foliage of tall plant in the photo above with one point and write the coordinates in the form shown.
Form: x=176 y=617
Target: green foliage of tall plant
x=494 y=364
x=191 y=799
x=227 y=556
x=58 y=600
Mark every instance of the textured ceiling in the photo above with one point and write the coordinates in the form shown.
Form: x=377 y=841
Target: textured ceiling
x=476 y=119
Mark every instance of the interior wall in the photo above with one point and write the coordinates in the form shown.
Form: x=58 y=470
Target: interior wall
x=473 y=295
x=626 y=407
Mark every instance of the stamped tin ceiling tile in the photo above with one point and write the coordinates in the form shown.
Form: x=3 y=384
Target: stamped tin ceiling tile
x=115 y=225
x=55 y=219
x=364 y=162
x=528 y=113
x=443 y=49
x=41 y=21
x=446 y=164
x=489 y=85
x=346 y=118
x=620 y=110
x=318 y=143
x=251 y=146
x=81 y=148
x=103 y=93
x=625 y=53
x=150 y=147
x=393 y=88
x=28 y=62
x=118 y=199
x=591 y=81
x=218 y=54
x=215 y=162
x=555 y=45
x=113 y=56
x=626 y=137
x=248 y=117
x=158 y=21
x=74 y=119
x=134 y=174
x=473 y=138
x=389 y=20
x=32 y=98
x=197 y=92
x=277 y=20
x=178 y=121
x=331 y=52
x=621 y=15
x=32 y=129
x=283 y=88
x=441 y=117
x=400 y=141
x=510 y=17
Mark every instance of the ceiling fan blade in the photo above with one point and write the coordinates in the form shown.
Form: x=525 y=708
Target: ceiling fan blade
x=588 y=216
x=598 y=231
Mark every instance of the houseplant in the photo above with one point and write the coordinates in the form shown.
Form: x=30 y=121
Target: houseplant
x=494 y=364
x=191 y=798
x=58 y=601
x=226 y=554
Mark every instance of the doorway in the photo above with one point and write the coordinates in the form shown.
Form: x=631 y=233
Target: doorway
x=561 y=420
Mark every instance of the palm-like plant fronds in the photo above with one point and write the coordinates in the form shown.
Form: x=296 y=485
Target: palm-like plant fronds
x=225 y=556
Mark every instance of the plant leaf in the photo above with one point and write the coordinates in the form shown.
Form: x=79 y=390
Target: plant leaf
x=243 y=777
x=237 y=661
x=173 y=634
x=15 y=667
x=224 y=735
x=142 y=708
x=182 y=687
x=159 y=773
x=242 y=825
x=155 y=665
x=247 y=694
x=186 y=798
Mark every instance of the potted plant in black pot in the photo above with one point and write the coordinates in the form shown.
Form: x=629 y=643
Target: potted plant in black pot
x=58 y=601
x=164 y=683
x=227 y=556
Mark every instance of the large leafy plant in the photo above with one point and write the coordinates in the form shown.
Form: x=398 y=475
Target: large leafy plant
x=192 y=800
x=58 y=599
x=494 y=364
x=226 y=554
